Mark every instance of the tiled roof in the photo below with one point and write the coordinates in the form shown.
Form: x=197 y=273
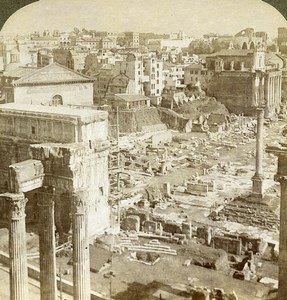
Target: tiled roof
x=231 y=52
x=128 y=97
x=20 y=72
x=53 y=73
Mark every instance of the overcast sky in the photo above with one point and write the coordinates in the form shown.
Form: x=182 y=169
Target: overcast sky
x=195 y=17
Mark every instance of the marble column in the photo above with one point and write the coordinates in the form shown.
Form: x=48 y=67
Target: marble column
x=257 y=179
x=81 y=255
x=282 y=262
x=47 y=244
x=17 y=246
x=281 y=176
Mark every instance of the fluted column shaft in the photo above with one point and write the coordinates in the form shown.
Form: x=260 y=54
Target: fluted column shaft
x=47 y=244
x=81 y=256
x=259 y=142
x=282 y=293
x=257 y=187
x=17 y=246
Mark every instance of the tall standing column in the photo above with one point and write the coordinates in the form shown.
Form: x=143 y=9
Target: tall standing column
x=257 y=179
x=81 y=256
x=17 y=246
x=282 y=262
x=47 y=244
x=281 y=176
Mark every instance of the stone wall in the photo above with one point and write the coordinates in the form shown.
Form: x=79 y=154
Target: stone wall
x=72 y=167
x=174 y=120
x=234 y=90
x=145 y=119
x=229 y=245
x=12 y=150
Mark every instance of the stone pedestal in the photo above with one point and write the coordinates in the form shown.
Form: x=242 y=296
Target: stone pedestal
x=17 y=246
x=47 y=244
x=257 y=179
x=81 y=256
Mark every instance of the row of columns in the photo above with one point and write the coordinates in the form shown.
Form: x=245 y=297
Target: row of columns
x=274 y=91
x=47 y=246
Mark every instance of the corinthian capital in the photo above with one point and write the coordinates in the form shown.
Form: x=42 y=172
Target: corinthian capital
x=17 y=204
x=80 y=199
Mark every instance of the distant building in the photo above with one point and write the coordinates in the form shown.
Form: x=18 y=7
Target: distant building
x=53 y=85
x=130 y=101
x=107 y=43
x=44 y=57
x=242 y=79
x=6 y=87
x=174 y=76
x=134 y=69
x=282 y=39
x=197 y=73
x=132 y=39
x=153 y=68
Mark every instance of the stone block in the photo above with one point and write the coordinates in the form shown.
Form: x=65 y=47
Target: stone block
x=131 y=223
x=172 y=227
x=152 y=227
x=187 y=230
x=26 y=176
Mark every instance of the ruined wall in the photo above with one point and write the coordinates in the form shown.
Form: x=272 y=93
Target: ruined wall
x=35 y=128
x=174 y=120
x=229 y=245
x=69 y=168
x=53 y=124
x=89 y=169
x=234 y=90
x=145 y=119
x=12 y=150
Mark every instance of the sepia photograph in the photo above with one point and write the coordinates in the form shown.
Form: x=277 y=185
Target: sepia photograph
x=143 y=150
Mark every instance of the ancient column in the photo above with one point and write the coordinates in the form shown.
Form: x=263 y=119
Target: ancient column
x=47 y=244
x=281 y=176
x=257 y=179
x=17 y=246
x=81 y=256
x=282 y=262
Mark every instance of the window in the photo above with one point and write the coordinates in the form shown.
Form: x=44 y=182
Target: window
x=33 y=130
x=101 y=190
x=57 y=100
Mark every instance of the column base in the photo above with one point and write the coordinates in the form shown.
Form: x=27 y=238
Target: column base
x=257 y=186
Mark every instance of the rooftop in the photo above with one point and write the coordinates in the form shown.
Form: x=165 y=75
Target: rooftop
x=53 y=73
x=20 y=72
x=231 y=52
x=53 y=111
x=130 y=98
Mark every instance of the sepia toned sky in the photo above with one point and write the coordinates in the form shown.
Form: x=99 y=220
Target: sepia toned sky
x=195 y=17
